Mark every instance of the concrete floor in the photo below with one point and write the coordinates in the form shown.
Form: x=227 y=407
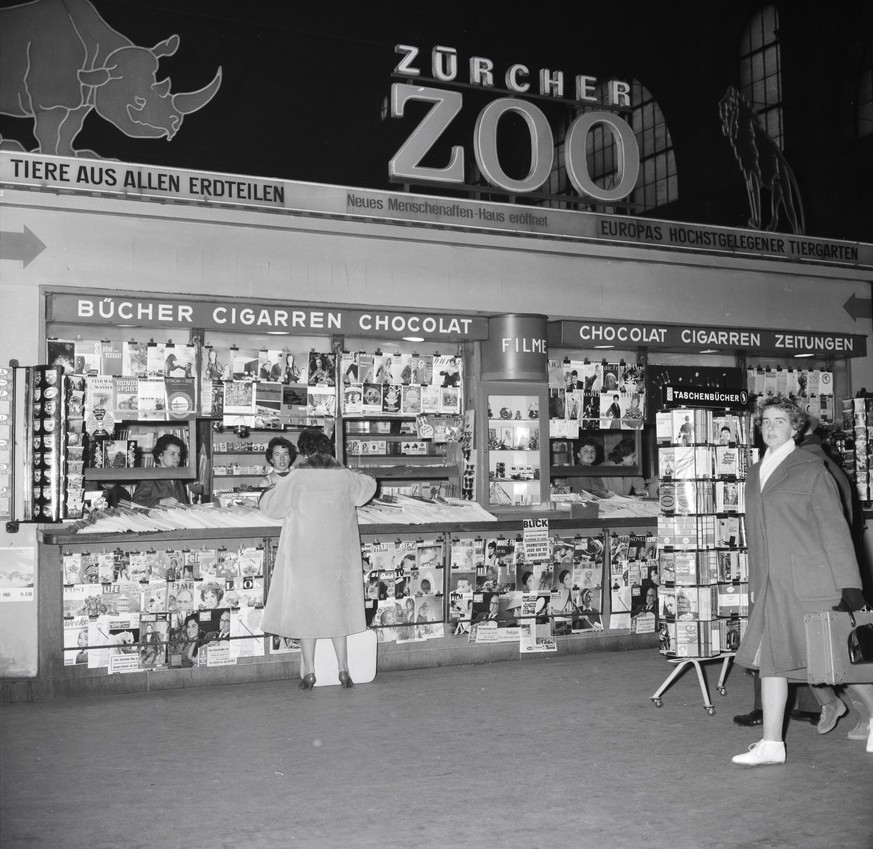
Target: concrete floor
x=543 y=752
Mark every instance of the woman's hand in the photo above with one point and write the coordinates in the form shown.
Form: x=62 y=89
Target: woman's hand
x=168 y=502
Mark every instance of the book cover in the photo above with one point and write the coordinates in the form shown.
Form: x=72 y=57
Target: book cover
x=430 y=400
x=391 y=398
x=134 y=359
x=683 y=427
x=447 y=371
x=410 y=402
x=349 y=370
x=686 y=497
x=216 y=364
x=372 y=402
x=685 y=568
x=270 y=364
x=153 y=639
x=152 y=399
x=181 y=397
x=367 y=365
x=683 y=463
x=87 y=356
x=76 y=641
x=321 y=370
x=179 y=361
x=61 y=353
x=321 y=400
x=111 y=358
x=155 y=358
x=239 y=399
x=727 y=497
x=126 y=395
x=422 y=369
x=450 y=400
x=727 y=462
x=243 y=363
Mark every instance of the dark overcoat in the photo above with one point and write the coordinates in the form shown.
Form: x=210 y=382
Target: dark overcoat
x=800 y=557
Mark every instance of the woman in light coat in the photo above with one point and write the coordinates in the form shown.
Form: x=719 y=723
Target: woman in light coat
x=801 y=560
x=316 y=588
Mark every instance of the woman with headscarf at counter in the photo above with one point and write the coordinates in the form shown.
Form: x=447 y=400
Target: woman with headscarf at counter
x=316 y=589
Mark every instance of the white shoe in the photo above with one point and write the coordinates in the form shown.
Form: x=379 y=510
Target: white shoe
x=767 y=752
x=859 y=732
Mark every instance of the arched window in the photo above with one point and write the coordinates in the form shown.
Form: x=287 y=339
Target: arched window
x=657 y=184
x=864 y=100
x=761 y=69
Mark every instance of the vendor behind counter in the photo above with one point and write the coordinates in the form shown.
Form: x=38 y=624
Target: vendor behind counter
x=169 y=452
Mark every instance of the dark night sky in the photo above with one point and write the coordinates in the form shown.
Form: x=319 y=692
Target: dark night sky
x=304 y=83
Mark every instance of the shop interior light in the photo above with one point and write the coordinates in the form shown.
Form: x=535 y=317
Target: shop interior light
x=413 y=338
x=798 y=356
x=278 y=333
x=604 y=346
x=709 y=351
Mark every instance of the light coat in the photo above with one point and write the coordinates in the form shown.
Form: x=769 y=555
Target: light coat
x=317 y=586
x=800 y=558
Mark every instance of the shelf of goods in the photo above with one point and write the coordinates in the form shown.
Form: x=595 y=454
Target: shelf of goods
x=126 y=455
x=103 y=595
x=703 y=598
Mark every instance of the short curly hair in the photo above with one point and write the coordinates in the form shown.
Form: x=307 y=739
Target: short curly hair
x=280 y=442
x=164 y=442
x=313 y=441
x=796 y=415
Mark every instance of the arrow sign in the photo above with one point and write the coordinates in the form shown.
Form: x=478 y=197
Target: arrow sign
x=20 y=247
x=858 y=307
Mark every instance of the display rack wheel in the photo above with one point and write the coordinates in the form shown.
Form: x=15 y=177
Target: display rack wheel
x=658 y=702
x=711 y=711
x=722 y=691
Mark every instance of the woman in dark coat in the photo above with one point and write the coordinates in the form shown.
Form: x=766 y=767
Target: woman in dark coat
x=801 y=560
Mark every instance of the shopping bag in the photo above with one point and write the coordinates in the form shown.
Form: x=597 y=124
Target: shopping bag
x=828 y=659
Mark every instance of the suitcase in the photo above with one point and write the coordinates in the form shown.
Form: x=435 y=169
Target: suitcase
x=362 y=660
x=827 y=661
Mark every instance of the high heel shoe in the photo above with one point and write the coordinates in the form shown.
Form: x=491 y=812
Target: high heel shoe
x=308 y=682
x=346 y=681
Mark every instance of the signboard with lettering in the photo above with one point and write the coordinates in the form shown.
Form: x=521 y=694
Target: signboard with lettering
x=516 y=348
x=704 y=396
x=267 y=317
x=677 y=337
x=138 y=182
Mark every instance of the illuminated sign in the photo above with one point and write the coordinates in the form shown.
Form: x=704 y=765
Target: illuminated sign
x=264 y=318
x=789 y=343
x=446 y=105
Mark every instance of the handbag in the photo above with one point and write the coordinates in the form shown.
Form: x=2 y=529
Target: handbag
x=860 y=642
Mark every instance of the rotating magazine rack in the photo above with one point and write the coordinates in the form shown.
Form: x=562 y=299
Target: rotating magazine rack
x=703 y=599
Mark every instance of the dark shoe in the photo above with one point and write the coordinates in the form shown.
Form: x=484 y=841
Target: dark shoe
x=750 y=719
x=346 y=681
x=308 y=682
x=805 y=716
x=830 y=714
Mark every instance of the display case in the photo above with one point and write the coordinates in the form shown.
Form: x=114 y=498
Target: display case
x=400 y=457
x=514 y=445
x=239 y=459
x=125 y=455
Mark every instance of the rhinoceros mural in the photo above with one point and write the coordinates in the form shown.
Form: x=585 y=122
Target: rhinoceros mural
x=59 y=60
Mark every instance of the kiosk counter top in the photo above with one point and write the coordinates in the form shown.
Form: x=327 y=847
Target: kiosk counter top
x=187 y=523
